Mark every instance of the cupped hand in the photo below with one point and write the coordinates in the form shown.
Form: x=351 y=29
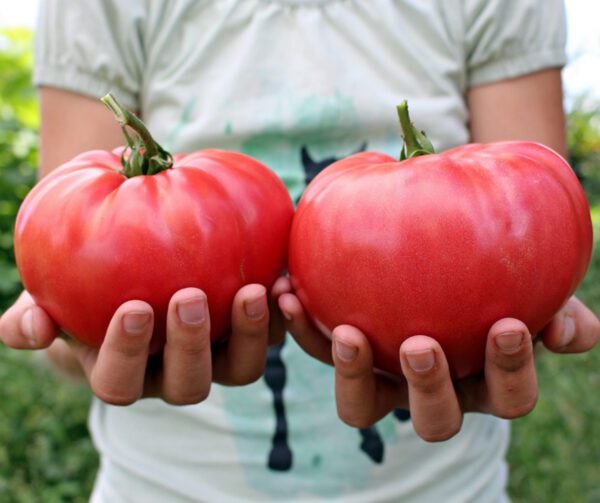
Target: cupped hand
x=507 y=388
x=120 y=372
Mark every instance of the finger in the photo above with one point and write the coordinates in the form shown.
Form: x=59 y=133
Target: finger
x=575 y=329
x=308 y=337
x=362 y=396
x=243 y=359
x=25 y=325
x=277 y=320
x=510 y=377
x=117 y=375
x=281 y=286
x=434 y=406
x=187 y=365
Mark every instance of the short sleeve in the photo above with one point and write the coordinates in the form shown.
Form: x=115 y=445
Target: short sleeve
x=91 y=47
x=510 y=38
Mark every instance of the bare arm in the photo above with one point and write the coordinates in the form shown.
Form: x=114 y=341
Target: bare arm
x=525 y=108
x=72 y=123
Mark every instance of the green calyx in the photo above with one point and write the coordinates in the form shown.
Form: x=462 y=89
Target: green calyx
x=145 y=156
x=415 y=141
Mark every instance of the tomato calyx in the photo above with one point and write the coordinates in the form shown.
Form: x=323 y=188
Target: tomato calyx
x=143 y=155
x=416 y=142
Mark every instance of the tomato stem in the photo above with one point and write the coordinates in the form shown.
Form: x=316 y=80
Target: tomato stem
x=146 y=156
x=415 y=142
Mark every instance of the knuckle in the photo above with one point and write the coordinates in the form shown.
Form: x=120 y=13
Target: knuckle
x=350 y=371
x=255 y=329
x=440 y=435
x=513 y=363
x=428 y=385
x=355 y=420
x=109 y=391
x=248 y=376
x=434 y=437
x=113 y=397
x=131 y=348
x=191 y=347
x=190 y=397
x=516 y=411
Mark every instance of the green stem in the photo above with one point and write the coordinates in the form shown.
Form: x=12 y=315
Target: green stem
x=415 y=141
x=147 y=157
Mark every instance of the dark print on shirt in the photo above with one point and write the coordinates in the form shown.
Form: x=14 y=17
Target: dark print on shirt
x=312 y=168
x=280 y=456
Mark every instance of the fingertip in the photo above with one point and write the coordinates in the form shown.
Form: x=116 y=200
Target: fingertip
x=187 y=293
x=349 y=334
x=345 y=344
x=508 y=325
x=134 y=305
x=281 y=286
x=135 y=318
x=351 y=349
x=575 y=329
x=251 y=291
x=509 y=344
x=290 y=306
x=189 y=308
x=37 y=328
x=419 y=343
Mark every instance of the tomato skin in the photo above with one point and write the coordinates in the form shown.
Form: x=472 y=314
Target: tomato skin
x=442 y=245
x=88 y=239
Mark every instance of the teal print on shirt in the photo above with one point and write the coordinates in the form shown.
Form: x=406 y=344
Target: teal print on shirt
x=296 y=388
x=327 y=125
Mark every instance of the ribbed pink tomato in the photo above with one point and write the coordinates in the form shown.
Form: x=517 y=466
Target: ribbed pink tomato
x=441 y=244
x=94 y=234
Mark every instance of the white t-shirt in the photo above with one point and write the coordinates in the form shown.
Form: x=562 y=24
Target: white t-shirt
x=295 y=84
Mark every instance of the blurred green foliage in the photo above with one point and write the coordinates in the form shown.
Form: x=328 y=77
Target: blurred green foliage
x=583 y=135
x=45 y=451
x=46 y=454
x=18 y=146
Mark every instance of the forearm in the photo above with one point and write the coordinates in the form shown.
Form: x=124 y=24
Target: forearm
x=525 y=108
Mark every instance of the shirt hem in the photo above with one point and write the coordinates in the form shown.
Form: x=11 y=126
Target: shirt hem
x=508 y=68
x=81 y=83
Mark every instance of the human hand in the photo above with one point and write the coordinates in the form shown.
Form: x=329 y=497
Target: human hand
x=120 y=372
x=507 y=388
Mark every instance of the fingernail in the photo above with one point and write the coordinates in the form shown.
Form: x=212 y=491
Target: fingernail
x=136 y=322
x=27 y=326
x=421 y=361
x=286 y=315
x=568 y=330
x=509 y=342
x=256 y=308
x=192 y=311
x=346 y=352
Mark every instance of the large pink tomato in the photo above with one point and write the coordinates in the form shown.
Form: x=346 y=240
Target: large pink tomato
x=92 y=235
x=442 y=245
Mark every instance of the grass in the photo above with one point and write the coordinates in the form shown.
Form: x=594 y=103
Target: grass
x=46 y=454
x=555 y=450
x=45 y=451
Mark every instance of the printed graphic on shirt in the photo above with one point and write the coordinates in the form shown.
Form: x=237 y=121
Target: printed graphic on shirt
x=327 y=126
